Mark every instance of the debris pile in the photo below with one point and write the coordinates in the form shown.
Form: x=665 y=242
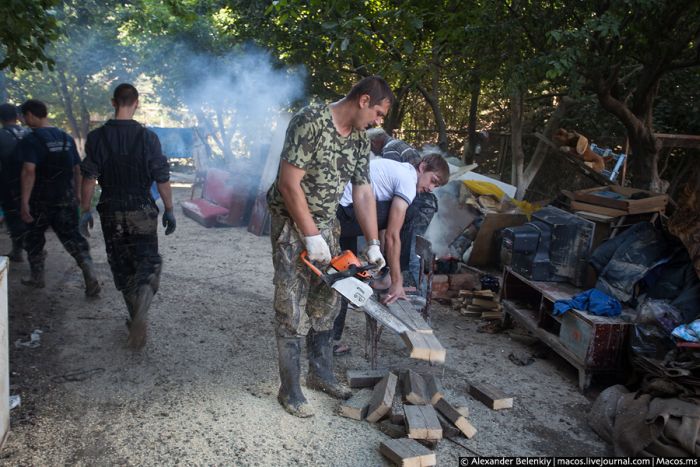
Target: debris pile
x=478 y=304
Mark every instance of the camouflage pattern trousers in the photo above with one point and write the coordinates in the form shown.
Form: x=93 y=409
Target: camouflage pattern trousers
x=63 y=219
x=302 y=299
x=131 y=242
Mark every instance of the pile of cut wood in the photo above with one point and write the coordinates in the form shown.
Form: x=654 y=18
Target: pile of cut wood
x=411 y=409
x=478 y=303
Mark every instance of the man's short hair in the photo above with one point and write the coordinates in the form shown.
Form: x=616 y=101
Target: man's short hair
x=8 y=113
x=376 y=132
x=125 y=95
x=375 y=87
x=35 y=107
x=436 y=163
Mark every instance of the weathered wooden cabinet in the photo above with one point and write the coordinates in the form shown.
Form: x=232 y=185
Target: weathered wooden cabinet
x=590 y=343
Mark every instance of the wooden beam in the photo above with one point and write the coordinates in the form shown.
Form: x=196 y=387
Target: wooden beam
x=407 y=453
x=434 y=389
x=382 y=398
x=456 y=418
x=356 y=407
x=364 y=378
x=396 y=415
x=422 y=422
x=490 y=396
x=413 y=387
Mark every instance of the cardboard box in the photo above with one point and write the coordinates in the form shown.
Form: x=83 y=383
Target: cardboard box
x=655 y=202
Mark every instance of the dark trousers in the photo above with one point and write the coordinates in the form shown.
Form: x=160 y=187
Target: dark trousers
x=17 y=228
x=63 y=219
x=131 y=242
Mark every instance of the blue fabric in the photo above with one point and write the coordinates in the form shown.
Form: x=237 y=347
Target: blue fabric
x=594 y=301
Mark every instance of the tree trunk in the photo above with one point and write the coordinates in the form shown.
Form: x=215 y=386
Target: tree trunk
x=516 y=138
x=396 y=113
x=470 y=147
x=3 y=87
x=433 y=99
x=62 y=85
x=542 y=149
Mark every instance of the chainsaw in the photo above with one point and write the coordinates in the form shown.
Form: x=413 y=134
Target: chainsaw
x=346 y=275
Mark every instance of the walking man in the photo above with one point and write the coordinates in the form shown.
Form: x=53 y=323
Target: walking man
x=50 y=182
x=126 y=158
x=325 y=147
x=10 y=170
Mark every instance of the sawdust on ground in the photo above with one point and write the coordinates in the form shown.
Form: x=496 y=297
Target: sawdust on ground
x=203 y=391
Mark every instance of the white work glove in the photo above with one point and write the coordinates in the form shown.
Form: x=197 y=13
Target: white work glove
x=374 y=256
x=317 y=249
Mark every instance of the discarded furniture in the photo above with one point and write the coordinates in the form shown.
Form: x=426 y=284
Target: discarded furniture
x=224 y=201
x=592 y=344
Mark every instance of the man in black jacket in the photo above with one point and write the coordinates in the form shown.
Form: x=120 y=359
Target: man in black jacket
x=126 y=159
x=50 y=182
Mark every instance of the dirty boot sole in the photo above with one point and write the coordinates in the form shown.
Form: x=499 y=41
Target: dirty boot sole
x=300 y=409
x=137 y=334
x=333 y=389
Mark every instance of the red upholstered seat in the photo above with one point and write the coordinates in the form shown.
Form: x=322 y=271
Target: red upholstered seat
x=217 y=195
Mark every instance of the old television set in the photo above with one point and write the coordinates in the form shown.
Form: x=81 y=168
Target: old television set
x=554 y=246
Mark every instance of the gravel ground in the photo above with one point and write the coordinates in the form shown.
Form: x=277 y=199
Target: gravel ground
x=203 y=391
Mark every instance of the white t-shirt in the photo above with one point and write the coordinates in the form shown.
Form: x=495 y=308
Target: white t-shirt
x=389 y=178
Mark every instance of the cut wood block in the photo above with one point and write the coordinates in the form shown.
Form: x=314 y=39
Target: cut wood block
x=470 y=314
x=424 y=347
x=422 y=422
x=434 y=389
x=382 y=398
x=457 y=303
x=463 y=410
x=365 y=378
x=407 y=453
x=356 y=407
x=456 y=418
x=490 y=396
x=392 y=430
x=492 y=315
x=449 y=430
x=413 y=388
x=486 y=303
x=396 y=415
x=476 y=309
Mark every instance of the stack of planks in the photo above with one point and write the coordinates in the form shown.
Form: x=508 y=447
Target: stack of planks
x=403 y=318
x=478 y=303
x=410 y=408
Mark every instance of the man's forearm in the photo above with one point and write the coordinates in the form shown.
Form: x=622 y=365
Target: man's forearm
x=166 y=194
x=87 y=190
x=28 y=178
x=298 y=208
x=77 y=183
x=365 y=207
x=393 y=257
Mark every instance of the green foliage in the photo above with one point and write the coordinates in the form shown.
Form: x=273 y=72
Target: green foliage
x=27 y=27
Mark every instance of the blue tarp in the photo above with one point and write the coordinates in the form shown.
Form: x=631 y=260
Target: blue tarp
x=176 y=142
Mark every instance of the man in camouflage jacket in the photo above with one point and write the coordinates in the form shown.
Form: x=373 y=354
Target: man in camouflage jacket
x=325 y=148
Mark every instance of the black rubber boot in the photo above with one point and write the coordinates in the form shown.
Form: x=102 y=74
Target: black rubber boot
x=290 y=395
x=16 y=254
x=36 y=276
x=139 y=321
x=92 y=284
x=321 y=377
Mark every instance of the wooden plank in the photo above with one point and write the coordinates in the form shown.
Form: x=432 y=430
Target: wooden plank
x=579 y=206
x=364 y=378
x=485 y=303
x=382 y=398
x=449 y=430
x=417 y=345
x=492 y=315
x=407 y=453
x=437 y=351
x=413 y=387
x=422 y=422
x=456 y=418
x=405 y=312
x=434 y=389
x=379 y=312
x=356 y=407
x=490 y=396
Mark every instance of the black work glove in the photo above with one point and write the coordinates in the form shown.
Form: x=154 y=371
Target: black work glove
x=169 y=221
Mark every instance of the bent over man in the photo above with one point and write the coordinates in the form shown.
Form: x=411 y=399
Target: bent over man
x=126 y=158
x=325 y=147
x=50 y=182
